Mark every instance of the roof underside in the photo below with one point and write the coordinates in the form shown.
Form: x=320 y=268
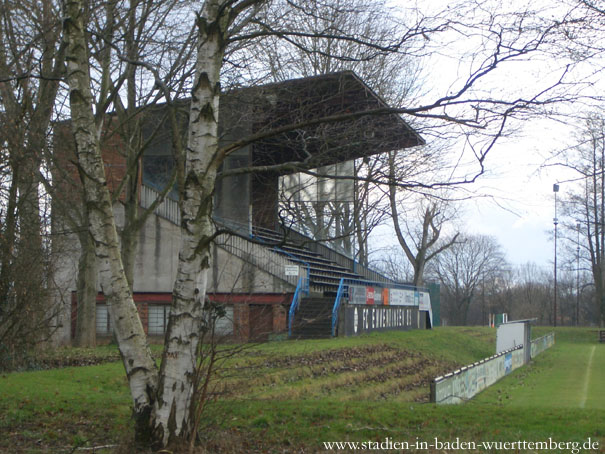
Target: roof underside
x=259 y=110
x=299 y=101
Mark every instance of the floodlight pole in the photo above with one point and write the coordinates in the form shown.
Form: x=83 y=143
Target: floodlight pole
x=555 y=189
x=578 y=277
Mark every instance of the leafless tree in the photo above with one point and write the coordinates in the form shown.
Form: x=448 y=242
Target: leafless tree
x=31 y=64
x=534 y=289
x=125 y=90
x=461 y=270
x=418 y=230
x=317 y=48
x=584 y=208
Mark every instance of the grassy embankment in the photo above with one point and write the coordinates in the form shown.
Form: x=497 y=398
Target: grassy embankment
x=288 y=396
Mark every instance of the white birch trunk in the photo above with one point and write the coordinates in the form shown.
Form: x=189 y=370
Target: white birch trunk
x=172 y=413
x=140 y=367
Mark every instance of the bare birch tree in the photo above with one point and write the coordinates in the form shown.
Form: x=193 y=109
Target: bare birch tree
x=125 y=89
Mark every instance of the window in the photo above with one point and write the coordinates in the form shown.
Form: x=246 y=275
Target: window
x=224 y=325
x=157 y=320
x=103 y=321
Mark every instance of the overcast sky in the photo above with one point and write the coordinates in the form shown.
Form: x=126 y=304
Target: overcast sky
x=515 y=200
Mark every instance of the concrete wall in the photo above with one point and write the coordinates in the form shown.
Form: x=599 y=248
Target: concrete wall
x=157 y=256
x=66 y=251
x=512 y=334
x=232 y=194
x=509 y=336
x=462 y=384
x=231 y=274
x=157 y=261
x=542 y=343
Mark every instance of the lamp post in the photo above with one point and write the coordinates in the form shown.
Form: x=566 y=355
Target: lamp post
x=578 y=276
x=555 y=189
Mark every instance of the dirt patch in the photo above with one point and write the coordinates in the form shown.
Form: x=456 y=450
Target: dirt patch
x=57 y=438
x=372 y=356
x=76 y=361
x=380 y=370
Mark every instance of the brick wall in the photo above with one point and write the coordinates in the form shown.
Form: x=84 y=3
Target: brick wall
x=280 y=318
x=241 y=322
x=241 y=314
x=112 y=149
x=143 y=309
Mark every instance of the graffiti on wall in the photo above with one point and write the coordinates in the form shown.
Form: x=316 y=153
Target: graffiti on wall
x=542 y=343
x=461 y=385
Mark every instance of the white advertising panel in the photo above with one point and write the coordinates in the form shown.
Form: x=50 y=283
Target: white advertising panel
x=424 y=301
x=399 y=297
x=509 y=336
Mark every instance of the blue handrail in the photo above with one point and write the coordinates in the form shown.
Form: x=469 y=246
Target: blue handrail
x=337 y=305
x=295 y=303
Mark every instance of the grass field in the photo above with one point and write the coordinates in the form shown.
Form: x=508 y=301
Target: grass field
x=292 y=396
x=580 y=383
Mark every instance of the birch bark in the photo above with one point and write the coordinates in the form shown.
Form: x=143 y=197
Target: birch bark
x=162 y=402
x=171 y=418
x=138 y=362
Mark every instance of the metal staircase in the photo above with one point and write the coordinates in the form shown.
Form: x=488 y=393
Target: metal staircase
x=310 y=317
x=319 y=277
x=324 y=274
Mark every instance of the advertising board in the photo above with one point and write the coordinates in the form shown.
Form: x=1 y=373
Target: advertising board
x=401 y=297
x=368 y=318
x=424 y=301
x=359 y=294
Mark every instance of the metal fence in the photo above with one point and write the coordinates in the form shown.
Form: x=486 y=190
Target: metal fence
x=168 y=209
x=258 y=255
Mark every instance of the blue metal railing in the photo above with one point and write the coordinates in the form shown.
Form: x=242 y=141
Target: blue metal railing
x=303 y=283
x=337 y=305
x=344 y=283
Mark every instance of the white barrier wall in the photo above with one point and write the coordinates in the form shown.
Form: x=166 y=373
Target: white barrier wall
x=511 y=334
x=542 y=343
x=462 y=384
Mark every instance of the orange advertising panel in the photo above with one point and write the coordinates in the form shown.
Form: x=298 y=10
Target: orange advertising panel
x=385 y=296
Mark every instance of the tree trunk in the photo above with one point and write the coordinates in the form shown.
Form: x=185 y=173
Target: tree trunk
x=419 y=265
x=172 y=412
x=129 y=252
x=138 y=362
x=86 y=323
